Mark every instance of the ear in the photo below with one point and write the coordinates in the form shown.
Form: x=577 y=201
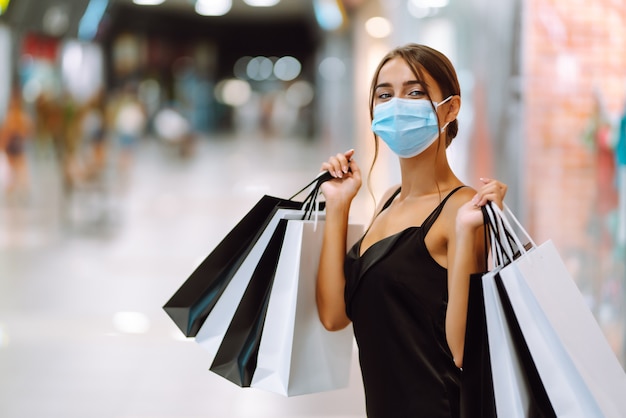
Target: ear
x=454 y=105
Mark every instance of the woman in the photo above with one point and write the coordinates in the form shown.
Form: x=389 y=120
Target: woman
x=404 y=285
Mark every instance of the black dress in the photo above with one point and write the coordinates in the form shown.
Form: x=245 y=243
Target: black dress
x=396 y=296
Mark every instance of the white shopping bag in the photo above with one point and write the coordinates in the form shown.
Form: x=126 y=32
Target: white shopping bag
x=509 y=386
x=579 y=371
x=212 y=331
x=297 y=355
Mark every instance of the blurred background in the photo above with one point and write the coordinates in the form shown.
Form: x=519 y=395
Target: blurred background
x=136 y=133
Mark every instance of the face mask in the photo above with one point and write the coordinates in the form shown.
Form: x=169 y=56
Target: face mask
x=408 y=126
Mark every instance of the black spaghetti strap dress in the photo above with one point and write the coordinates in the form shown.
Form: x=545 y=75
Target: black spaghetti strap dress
x=396 y=296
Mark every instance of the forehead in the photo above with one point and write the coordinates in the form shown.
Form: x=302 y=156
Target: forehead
x=396 y=70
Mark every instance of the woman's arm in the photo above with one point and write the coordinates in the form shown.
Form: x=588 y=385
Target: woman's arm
x=465 y=250
x=330 y=278
x=466 y=255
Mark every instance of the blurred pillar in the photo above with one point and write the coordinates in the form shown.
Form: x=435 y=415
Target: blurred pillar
x=6 y=68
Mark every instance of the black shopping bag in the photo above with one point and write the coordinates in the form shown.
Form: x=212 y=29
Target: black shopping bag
x=477 y=398
x=193 y=301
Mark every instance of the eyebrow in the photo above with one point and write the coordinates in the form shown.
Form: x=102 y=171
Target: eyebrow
x=406 y=83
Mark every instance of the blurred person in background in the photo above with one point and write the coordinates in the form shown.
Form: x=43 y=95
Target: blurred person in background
x=174 y=130
x=404 y=285
x=14 y=131
x=48 y=124
x=128 y=120
x=94 y=136
x=71 y=143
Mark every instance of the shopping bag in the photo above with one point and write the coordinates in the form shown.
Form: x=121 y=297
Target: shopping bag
x=217 y=321
x=518 y=390
x=477 y=392
x=297 y=355
x=236 y=357
x=499 y=377
x=192 y=302
x=580 y=372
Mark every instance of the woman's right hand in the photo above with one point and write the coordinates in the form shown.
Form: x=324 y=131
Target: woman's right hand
x=347 y=178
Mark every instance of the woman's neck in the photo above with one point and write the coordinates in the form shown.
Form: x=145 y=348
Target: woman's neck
x=426 y=175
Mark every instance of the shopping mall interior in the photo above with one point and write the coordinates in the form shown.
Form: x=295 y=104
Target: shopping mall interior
x=151 y=127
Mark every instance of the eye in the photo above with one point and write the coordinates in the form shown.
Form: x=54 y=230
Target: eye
x=416 y=93
x=384 y=95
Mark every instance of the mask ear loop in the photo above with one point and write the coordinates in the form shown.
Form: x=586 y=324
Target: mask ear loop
x=435 y=107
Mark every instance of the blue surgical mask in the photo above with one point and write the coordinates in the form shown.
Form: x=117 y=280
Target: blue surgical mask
x=408 y=126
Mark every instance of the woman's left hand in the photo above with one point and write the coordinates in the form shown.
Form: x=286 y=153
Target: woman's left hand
x=470 y=214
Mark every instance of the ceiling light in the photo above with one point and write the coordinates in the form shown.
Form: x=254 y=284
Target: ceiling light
x=213 y=7
x=148 y=2
x=261 y=3
x=430 y=3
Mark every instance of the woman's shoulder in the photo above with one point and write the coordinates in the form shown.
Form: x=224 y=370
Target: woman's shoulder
x=462 y=195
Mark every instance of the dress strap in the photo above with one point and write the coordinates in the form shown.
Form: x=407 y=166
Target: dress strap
x=435 y=213
x=388 y=202
x=385 y=206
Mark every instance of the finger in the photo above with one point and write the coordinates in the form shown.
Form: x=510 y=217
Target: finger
x=482 y=199
x=340 y=165
x=355 y=171
x=334 y=165
x=344 y=162
x=354 y=168
x=325 y=167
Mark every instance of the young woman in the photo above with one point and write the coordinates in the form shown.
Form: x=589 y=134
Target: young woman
x=404 y=285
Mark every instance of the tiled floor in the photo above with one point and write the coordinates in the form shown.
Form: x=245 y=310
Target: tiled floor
x=82 y=283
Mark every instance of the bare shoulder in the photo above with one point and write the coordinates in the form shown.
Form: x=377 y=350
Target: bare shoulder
x=458 y=199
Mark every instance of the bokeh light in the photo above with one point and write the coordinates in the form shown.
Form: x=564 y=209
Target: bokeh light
x=240 y=69
x=233 y=92
x=329 y=14
x=378 y=27
x=300 y=94
x=332 y=69
x=260 y=68
x=287 y=68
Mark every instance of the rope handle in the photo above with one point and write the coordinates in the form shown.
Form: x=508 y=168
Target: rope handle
x=506 y=244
